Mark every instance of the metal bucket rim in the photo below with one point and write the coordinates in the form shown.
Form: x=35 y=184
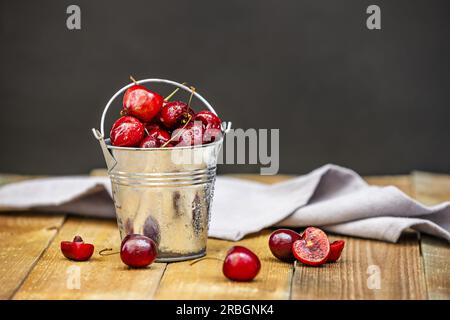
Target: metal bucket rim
x=197 y=146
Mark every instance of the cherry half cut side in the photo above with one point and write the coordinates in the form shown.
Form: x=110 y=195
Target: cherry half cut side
x=313 y=248
x=77 y=249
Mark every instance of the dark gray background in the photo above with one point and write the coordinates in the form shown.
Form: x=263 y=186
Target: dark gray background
x=376 y=101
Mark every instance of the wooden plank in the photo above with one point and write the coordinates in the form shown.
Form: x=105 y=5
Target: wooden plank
x=204 y=279
x=99 y=172
x=9 y=178
x=432 y=189
x=262 y=179
x=102 y=277
x=398 y=267
x=24 y=237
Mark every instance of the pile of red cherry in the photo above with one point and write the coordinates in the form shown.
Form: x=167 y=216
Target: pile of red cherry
x=150 y=121
x=312 y=247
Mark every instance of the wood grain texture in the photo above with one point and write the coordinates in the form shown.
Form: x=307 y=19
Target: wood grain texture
x=204 y=279
x=24 y=237
x=432 y=189
x=102 y=277
x=9 y=178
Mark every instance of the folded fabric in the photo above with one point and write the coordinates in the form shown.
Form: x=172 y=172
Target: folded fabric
x=334 y=198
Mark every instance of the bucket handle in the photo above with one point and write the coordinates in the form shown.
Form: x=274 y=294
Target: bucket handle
x=226 y=125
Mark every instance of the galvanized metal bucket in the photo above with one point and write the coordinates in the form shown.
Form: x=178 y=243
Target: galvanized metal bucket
x=164 y=193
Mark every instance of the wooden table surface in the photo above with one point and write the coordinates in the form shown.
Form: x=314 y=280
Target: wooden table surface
x=32 y=266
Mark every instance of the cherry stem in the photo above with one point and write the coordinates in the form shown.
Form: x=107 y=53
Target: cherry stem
x=134 y=80
x=178 y=132
x=146 y=131
x=190 y=98
x=101 y=252
x=173 y=93
x=204 y=258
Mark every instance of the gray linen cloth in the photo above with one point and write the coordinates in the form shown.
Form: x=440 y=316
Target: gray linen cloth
x=331 y=197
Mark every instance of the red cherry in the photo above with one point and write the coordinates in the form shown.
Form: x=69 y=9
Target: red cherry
x=241 y=264
x=138 y=251
x=149 y=142
x=212 y=125
x=161 y=135
x=336 y=248
x=176 y=113
x=313 y=248
x=142 y=103
x=152 y=125
x=127 y=132
x=190 y=135
x=209 y=119
x=169 y=145
x=76 y=249
x=280 y=244
x=211 y=135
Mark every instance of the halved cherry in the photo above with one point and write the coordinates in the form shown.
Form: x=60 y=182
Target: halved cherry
x=336 y=248
x=77 y=250
x=313 y=248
